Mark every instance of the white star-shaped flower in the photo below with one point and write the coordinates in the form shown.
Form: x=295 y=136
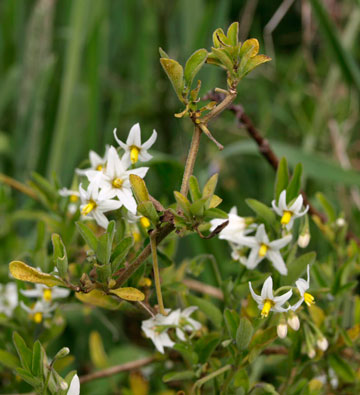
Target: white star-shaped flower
x=184 y=322
x=267 y=301
x=114 y=181
x=95 y=204
x=134 y=150
x=235 y=229
x=39 y=310
x=287 y=212
x=46 y=294
x=74 y=388
x=262 y=248
x=156 y=328
x=8 y=298
x=303 y=285
x=97 y=162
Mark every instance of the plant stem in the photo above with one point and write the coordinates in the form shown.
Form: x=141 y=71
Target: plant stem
x=156 y=273
x=202 y=381
x=190 y=161
x=18 y=185
x=229 y=98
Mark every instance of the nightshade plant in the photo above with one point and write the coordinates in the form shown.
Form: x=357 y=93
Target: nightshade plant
x=232 y=339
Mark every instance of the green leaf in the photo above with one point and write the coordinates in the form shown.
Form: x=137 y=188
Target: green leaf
x=251 y=64
x=60 y=256
x=98 y=298
x=29 y=378
x=44 y=186
x=138 y=186
x=183 y=203
x=187 y=352
x=197 y=208
x=224 y=58
x=327 y=206
x=261 y=339
x=9 y=360
x=22 y=271
x=97 y=352
x=210 y=186
x=208 y=308
x=128 y=293
x=163 y=54
x=213 y=213
x=104 y=248
x=231 y=318
x=193 y=65
x=178 y=376
x=244 y=334
x=342 y=368
x=23 y=351
x=175 y=74
x=264 y=213
x=38 y=359
x=233 y=33
x=249 y=49
x=282 y=178
x=219 y=38
x=298 y=266
x=206 y=345
x=194 y=188
x=293 y=189
x=88 y=235
x=120 y=253
x=148 y=210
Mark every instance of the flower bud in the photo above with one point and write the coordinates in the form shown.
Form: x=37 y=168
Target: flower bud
x=64 y=385
x=311 y=353
x=322 y=343
x=62 y=353
x=340 y=222
x=304 y=239
x=282 y=330
x=294 y=322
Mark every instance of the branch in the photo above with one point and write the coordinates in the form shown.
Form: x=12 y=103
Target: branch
x=18 y=185
x=116 y=369
x=203 y=288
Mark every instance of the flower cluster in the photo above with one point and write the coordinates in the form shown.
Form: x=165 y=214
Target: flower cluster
x=108 y=185
x=157 y=327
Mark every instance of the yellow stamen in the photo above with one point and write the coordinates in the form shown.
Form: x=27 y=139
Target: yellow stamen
x=117 y=183
x=285 y=219
x=38 y=317
x=263 y=250
x=267 y=306
x=47 y=295
x=74 y=198
x=134 y=154
x=145 y=282
x=145 y=222
x=99 y=167
x=136 y=236
x=88 y=208
x=309 y=299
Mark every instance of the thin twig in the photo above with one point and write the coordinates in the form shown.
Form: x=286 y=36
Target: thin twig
x=18 y=185
x=117 y=369
x=156 y=274
x=203 y=288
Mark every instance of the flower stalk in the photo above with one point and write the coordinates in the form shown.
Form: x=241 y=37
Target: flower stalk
x=156 y=273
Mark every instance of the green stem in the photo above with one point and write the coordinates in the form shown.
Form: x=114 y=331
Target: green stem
x=190 y=161
x=212 y=375
x=156 y=273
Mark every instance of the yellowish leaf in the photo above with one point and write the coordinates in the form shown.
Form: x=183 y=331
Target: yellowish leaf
x=99 y=298
x=138 y=384
x=24 y=272
x=129 y=293
x=97 y=352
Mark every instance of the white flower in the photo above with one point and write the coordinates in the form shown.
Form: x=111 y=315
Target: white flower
x=185 y=323
x=39 y=310
x=303 y=286
x=96 y=162
x=235 y=229
x=156 y=328
x=95 y=204
x=74 y=388
x=289 y=212
x=134 y=150
x=281 y=330
x=45 y=293
x=8 y=298
x=262 y=248
x=74 y=198
x=294 y=322
x=115 y=179
x=304 y=239
x=267 y=301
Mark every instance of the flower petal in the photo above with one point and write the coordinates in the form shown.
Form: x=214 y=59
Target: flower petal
x=256 y=297
x=280 y=243
x=280 y=300
x=267 y=289
x=134 y=137
x=150 y=141
x=282 y=201
x=122 y=145
x=296 y=206
x=277 y=261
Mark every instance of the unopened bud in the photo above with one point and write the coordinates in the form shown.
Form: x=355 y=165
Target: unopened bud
x=322 y=343
x=311 y=353
x=282 y=330
x=62 y=353
x=304 y=239
x=64 y=385
x=340 y=222
x=294 y=322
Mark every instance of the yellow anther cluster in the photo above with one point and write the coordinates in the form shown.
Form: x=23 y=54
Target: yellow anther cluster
x=134 y=154
x=47 y=295
x=74 y=198
x=145 y=222
x=88 y=208
x=309 y=299
x=263 y=250
x=268 y=304
x=38 y=317
x=117 y=183
x=136 y=236
x=285 y=219
x=99 y=167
